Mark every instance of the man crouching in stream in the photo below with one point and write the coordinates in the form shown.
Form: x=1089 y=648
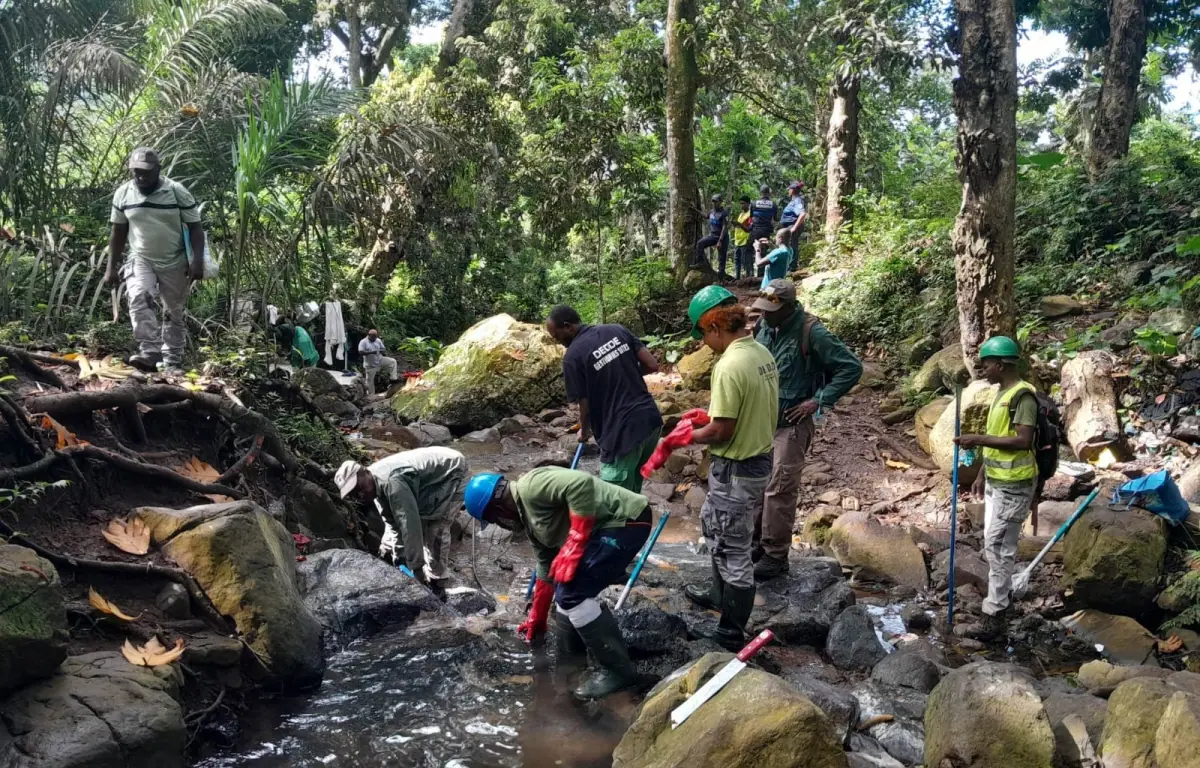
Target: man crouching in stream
x=585 y=533
x=415 y=492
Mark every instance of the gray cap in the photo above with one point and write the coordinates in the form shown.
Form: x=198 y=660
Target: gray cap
x=144 y=159
x=778 y=294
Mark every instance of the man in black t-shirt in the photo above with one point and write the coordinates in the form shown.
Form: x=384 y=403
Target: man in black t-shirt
x=603 y=370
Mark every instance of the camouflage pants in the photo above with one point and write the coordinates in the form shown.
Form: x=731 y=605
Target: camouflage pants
x=735 y=499
x=143 y=283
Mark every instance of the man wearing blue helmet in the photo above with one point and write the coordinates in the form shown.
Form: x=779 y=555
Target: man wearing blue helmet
x=585 y=533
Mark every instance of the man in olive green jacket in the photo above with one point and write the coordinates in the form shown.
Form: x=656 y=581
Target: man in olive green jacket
x=815 y=370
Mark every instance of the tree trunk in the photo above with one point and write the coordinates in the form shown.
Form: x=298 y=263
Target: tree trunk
x=731 y=185
x=842 y=166
x=468 y=18
x=985 y=101
x=1116 y=108
x=354 y=45
x=1090 y=405
x=683 y=78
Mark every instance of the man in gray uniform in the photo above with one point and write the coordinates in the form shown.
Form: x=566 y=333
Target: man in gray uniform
x=416 y=491
x=151 y=214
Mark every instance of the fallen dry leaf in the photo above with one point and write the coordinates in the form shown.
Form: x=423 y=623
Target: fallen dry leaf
x=201 y=472
x=102 y=374
x=897 y=464
x=65 y=436
x=1170 y=645
x=152 y=654
x=130 y=536
x=519 y=680
x=97 y=601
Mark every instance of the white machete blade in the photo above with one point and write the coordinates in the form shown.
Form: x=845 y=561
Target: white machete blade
x=706 y=692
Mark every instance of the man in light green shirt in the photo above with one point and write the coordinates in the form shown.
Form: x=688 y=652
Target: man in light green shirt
x=585 y=533
x=417 y=490
x=151 y=214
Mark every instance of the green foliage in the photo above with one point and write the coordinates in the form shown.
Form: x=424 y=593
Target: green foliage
x=670 y=347
x=1186 y=590
x=306 y=433
x=422 y=350
x=1154 y=342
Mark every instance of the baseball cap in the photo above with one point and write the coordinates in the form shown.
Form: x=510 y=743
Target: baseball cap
x=144 y=158
x=778 y=294
x=796 y=185
x=718 y=197
x=346 y=477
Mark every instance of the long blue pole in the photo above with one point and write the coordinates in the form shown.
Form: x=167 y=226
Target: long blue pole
x=533 y=576
x=637 y=569
x=954 y=502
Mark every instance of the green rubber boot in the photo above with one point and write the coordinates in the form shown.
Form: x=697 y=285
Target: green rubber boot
x=708 y=598
x=616 y=672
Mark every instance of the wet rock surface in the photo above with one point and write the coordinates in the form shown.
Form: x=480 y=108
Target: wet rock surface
x=33 y=619
x=852 y=643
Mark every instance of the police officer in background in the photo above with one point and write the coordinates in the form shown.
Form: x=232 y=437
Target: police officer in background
x=763 y=213
x=795 y=213
x=718 y=235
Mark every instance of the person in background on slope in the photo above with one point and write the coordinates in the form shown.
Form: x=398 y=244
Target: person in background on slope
x=743 y=411
x=415 y=492
x=585 y=533
x=151 y=213
x=1008 y=478
x=815 y=370
x=603 y=369
x=795 y=213
x=718 y=236
x=743 y=253
x=777 y=261
x=763 y=213
x=371 y=348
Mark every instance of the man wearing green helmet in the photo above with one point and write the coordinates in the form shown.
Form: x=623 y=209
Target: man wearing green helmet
x=1008 y=478
x=743 y=412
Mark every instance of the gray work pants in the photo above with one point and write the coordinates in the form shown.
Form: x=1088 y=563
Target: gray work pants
x=734 y=501
x=1005 y=507
x=143 y=282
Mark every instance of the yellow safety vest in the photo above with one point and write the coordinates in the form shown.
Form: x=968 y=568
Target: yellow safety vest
x=1007 y=466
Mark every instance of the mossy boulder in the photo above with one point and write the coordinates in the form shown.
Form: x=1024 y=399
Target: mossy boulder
x=1113 y=559
x=927 y=418
x=1135 y=710
x=695 y=368
x=33 y=619
x=976 y=401
x=500 y=367
x=987 y=715
x=756 y=721
x=818 y=524
x=1177 y=740
x=939 y=372
x=246 y=562
x=877 y=552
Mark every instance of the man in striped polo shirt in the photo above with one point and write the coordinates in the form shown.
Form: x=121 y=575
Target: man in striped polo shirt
x=151 y=213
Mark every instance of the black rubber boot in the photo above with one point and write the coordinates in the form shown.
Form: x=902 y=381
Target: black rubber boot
x=768 y=568
x=707 y=597
x=570 y=652
x=616 y=672
x=736 y=606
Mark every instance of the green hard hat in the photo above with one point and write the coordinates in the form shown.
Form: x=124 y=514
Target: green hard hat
x=999 y=346
x=705 y=299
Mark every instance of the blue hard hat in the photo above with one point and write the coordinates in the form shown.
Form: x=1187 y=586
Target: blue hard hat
x=478 y=494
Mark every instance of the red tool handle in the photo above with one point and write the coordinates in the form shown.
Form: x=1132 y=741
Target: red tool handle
x=756 y=645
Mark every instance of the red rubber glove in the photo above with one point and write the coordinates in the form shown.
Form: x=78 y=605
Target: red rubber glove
x=534 y=626
x=698 y=417
x=562 y=570
x=677 y=438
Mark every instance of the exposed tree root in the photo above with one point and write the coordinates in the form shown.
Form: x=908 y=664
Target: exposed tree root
x=246 y=461
x=28 y=362
x=19 y=428
x=904 y=453
x=150 y=470
x=184 y=579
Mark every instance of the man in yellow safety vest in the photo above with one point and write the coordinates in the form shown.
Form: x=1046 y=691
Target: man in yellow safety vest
x=1008 y=478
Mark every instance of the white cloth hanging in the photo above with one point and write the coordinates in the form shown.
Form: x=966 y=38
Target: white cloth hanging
x=272 y=314
x=335 y=332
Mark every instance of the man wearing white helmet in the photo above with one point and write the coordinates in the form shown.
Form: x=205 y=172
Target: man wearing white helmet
x=415 y=492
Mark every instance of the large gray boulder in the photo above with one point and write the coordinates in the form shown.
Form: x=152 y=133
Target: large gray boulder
x=33 y=620
x=988 y=715
x=311 y=506
x=1135 y=710
x=352 y=593
x=246 y=562
x=1077 y=721
x=1177 y=740
x=877 y=552
x=99 y=711
x=903 y=736
x=907 y=669
x=757 y=721
x=839 y=706
x=852 y=643
x=499 y=367
x=1113 y=559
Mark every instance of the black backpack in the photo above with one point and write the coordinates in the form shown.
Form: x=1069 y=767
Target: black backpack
x=1047 y=432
